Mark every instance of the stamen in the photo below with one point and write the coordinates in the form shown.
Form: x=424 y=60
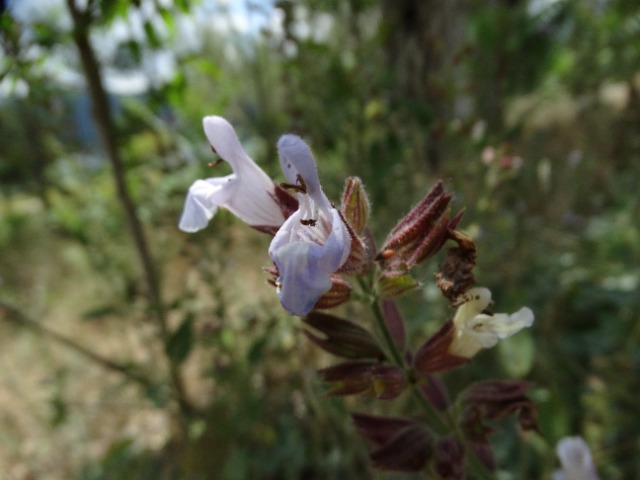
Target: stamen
x=299 y=186
x=295 y=188
x=308 y=223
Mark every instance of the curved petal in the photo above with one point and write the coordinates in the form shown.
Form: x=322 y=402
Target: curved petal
x=203 y=200
x=224 y=140
x=478 y=300
x=301 y=282
x=506 y=325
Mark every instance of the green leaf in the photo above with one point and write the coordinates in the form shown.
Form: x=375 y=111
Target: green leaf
x=167 y=18
x=517 y=354
x=394 y=284
x=181 y=342
x=152 y=35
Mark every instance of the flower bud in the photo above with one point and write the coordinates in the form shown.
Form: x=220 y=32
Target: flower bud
x=449 y=459
x=355 y=204
x=495 y=400
x=401 y=443
x=421 y=233
x=384 y=382
x=456 y=272
x=341 y=337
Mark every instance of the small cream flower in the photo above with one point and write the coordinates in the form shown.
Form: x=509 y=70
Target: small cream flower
x=475 y=329
x=576 y=461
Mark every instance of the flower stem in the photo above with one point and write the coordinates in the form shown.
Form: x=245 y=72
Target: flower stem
x=436 y=422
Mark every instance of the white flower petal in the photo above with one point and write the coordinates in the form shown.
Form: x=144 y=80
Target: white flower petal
x=476 y=330
x=506 y=325
x=478 y=300
x=248 y=193
x=202 y=202
x=223 y=138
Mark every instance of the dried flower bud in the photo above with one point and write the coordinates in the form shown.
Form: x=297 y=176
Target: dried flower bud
x=420 y=233
x=384 y=382
x=355 y=204
x=456 y=273
x=341 y=337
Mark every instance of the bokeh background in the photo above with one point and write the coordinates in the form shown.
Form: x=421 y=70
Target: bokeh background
x=129 y=349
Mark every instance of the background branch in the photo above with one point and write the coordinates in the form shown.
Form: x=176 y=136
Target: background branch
x=104 y=122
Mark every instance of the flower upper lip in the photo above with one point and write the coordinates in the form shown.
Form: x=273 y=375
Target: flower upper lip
x=248 y=192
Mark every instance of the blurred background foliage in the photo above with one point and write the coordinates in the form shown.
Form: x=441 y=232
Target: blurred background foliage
x=530 y=111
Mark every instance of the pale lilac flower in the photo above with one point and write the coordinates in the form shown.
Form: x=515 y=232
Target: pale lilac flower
x=475 y=329
x=314 y=241
x=576 y=461
x=248 y=192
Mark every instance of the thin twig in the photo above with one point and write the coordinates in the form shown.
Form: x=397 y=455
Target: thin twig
x=12 y=314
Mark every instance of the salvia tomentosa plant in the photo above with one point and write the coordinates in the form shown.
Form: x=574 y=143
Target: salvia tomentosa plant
x=324 y=256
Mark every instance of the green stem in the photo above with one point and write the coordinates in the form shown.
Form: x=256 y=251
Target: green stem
x=386 y=334
x=436 y=422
